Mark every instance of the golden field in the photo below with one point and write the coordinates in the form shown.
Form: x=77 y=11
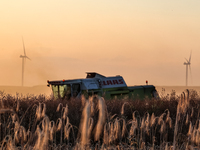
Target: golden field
x=38 y=122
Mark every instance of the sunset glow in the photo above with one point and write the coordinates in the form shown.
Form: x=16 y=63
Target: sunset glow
x=139 y=40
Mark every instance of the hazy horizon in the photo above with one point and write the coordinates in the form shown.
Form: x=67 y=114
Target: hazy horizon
x=139 y=40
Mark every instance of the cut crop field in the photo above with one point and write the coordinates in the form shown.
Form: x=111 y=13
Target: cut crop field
x=38 y=122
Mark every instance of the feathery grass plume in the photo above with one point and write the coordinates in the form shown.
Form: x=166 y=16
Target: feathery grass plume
x=190 y=129
x=166 y=146
x=17 y=108
x=23 y=134
x=65 y=112
x=168 y=114
x=147 y=118
x=122 y=110
x=16 y=137
x=113 y=116
x=187 y=101
x=60 y=106
x=147 y=128
x=162 y=123
x=169 y=121
x=17 y=125
x=91 y=105
x=43 y=110
x=197 y=137
x=117 y=129
x=85 y=124
x=28 y=134
x=11 y=145
x=38 y=111
x=66 y=120
x=180 y=103
x=101 y=119
x=67 y=129
x=193 y=136
x=123 y=128
x=136 y=118
x=142 y=129
x=83 y=100
x=59 y=124
x=161 y=118
x=45 y=125
x=13 y=116
x=147 y=123
x=16 y=132
x=51 y=130
x=91 y=122
x=106 y=134
x=142 y=126
x=8 y=142
x=111 y=132
x=142 y=146
x=182 y=107
x=39 y=133
x=152 y=119
x=133 y=127
x=187 y=119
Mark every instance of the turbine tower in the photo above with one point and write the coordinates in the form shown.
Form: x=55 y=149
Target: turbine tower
x=23 y=61
x=187 y=63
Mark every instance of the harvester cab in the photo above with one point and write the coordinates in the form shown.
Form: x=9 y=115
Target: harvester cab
x=97 y=84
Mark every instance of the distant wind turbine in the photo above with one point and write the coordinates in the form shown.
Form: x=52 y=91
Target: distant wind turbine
x=23 y=61
x=187 y=63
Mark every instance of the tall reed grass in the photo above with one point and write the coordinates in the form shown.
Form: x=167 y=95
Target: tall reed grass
x=38 y=123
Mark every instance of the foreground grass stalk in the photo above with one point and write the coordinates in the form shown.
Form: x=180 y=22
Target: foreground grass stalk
x=101 y=119
x=85 y=125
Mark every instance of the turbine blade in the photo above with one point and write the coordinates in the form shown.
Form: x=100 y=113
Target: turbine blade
x=190 y=56
x=187 y=60
x=27 y=57
x=23 y=47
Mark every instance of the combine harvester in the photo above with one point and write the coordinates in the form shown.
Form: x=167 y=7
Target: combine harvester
x=96 y=84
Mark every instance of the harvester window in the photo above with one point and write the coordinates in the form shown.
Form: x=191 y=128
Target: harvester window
x=76 y=89
x=55 y=91
x=60 y=91
x=65 y=91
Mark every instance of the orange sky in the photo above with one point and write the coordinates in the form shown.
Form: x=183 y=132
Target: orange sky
x=140 y=40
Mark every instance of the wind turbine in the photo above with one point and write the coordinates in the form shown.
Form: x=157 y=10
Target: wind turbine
x=187 y=63
x=23 y=61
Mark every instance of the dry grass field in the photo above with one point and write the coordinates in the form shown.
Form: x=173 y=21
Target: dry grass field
x=37 y=122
